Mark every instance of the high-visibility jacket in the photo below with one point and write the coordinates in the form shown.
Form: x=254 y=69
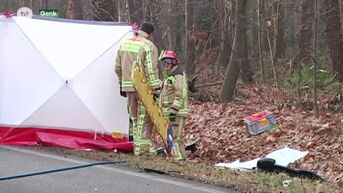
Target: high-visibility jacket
x=137 y=49
x=174 y=93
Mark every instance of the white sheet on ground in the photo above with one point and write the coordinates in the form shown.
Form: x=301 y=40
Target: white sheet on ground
x=282 y=157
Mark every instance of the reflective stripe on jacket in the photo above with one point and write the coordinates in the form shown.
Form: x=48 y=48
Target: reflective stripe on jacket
x=174 y=93
x=137 y=49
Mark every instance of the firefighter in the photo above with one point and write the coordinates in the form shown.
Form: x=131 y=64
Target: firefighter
x=138 y=49
x=174 y=99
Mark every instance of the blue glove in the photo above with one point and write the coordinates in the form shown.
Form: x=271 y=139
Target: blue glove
x=170 y=138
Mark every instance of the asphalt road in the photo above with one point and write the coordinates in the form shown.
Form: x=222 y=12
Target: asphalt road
x=95 y=179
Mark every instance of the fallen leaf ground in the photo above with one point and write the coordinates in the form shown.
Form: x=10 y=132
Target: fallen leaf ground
x=222 y=137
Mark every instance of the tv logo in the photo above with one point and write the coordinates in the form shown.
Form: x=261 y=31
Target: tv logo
x=24 y=12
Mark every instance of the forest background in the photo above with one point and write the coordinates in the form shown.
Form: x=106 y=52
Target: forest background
x=243 y=57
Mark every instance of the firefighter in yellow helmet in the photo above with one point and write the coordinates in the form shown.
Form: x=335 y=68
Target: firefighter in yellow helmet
x=138 y=49
x=174 y=100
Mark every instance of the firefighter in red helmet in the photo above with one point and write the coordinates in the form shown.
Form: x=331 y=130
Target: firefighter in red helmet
x=174 y=99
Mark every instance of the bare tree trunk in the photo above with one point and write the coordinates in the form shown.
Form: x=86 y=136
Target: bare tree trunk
x=305 y=31
x=232 y=24
x=170 y=14
x=252 y=14
x=45 y=4
x=74 y=10
x=152 y=15
x=136 y=11
x=189 y=45
x=123 y=15
x=105 y=10
x=294 y=23
x=333 y=36
x=260 y=50
x=266 y=24
x=279 y=42
x=167 y=16
x=247 y=72
x=246 y=68
x=238 y=53
x=224 y=44
x=315 y=60
x=269 y=39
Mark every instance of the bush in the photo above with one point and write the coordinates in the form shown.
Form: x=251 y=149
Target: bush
x=302 y=79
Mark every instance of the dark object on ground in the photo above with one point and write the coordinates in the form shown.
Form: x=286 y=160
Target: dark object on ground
x=268 y=165
x=161 y=152
x=154 y=171
x=191 y=147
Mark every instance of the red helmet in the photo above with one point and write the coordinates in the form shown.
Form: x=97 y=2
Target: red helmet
x=135 y=26
x=169 y=54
